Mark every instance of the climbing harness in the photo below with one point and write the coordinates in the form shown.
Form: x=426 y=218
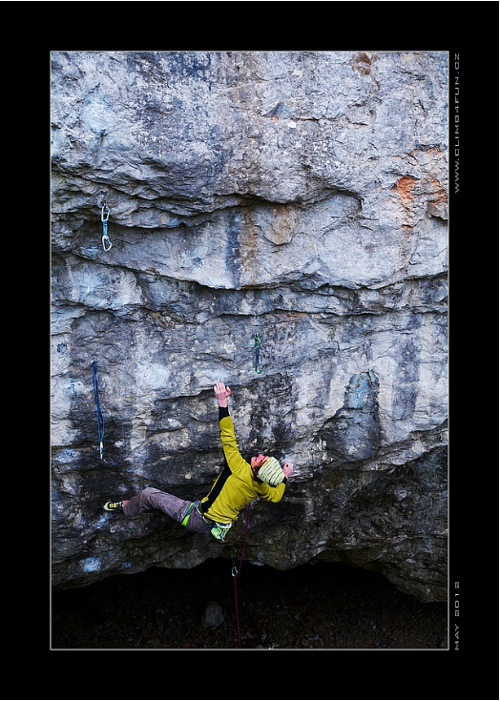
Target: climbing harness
x=217 y=529
x=257 y=345
x=185 y=520
x=220 y=530
x=105 y=210
x=100 y=419
x=236 y=571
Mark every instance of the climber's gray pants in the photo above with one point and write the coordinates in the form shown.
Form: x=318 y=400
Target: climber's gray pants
x=174 y=507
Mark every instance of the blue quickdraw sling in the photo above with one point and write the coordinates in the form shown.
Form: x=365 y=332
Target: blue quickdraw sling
x=100 y=419
x=257 y=345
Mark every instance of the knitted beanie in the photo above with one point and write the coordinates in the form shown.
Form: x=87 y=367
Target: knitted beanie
x=271 y=472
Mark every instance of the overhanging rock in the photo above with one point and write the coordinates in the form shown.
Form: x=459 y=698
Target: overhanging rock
x=300 y=196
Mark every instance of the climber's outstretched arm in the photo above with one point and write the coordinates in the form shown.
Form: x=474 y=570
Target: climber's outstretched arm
x=228 y=439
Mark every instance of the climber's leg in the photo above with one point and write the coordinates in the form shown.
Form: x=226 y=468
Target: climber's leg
x=151 y=498
x=174 y=507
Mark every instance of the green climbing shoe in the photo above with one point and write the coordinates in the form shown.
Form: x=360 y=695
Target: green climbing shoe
x=113 y=506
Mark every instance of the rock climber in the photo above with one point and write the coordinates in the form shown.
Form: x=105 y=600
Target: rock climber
x=237 y=485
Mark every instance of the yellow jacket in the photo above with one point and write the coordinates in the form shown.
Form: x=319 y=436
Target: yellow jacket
x=236 y=485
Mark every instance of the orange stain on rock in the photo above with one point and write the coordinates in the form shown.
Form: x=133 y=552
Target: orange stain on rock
x=405 y=187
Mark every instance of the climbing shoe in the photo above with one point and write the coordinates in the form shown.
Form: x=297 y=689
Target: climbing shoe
x=113 y=506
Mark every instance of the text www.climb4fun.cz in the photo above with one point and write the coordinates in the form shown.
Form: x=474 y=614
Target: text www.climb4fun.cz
x=456 y=121
x=456 y=628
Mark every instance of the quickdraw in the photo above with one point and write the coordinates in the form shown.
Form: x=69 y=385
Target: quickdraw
x=234 y=569
x=256 y=347
x=106 y=243
x=100 y=418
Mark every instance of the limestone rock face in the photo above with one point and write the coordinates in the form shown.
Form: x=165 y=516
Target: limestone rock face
x=297 y=196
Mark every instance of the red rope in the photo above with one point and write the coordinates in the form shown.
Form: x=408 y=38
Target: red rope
x=235 y=576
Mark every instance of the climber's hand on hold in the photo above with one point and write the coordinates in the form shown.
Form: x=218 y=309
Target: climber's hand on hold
x=222 y=393
x=288 y=469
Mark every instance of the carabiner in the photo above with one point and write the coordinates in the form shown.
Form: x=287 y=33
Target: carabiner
x=105 y=238
x=105 y=206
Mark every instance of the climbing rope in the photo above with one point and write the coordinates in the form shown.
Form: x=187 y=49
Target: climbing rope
x=236 y=571
x=256 y=347
x=100 y=419
x=105 y=210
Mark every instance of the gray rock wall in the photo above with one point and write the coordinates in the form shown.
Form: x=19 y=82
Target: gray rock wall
x=300 y=196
